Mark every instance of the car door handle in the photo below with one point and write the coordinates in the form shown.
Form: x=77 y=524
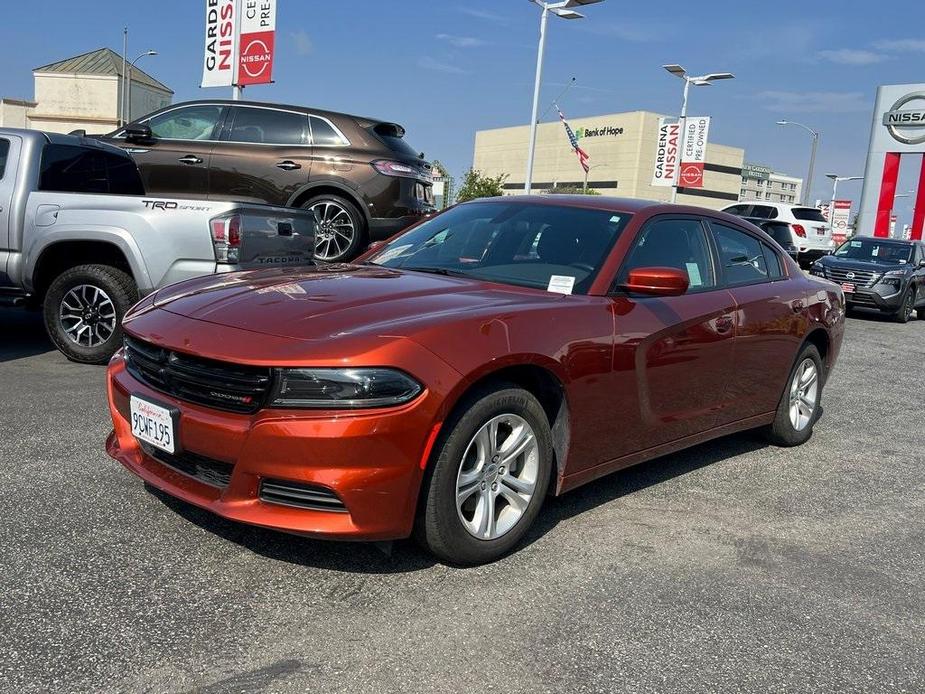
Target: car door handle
x=288 y=165
x=190 y=159
x=797 y=306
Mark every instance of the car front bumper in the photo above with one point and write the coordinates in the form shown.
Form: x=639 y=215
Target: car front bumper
x=372 y=462
x=879 y=297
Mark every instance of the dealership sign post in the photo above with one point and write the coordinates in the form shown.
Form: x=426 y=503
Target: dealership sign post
x=239 y=43
x=666 y=154
x=898 y=130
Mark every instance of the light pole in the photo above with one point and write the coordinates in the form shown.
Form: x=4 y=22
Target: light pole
x=129 y=80
x=560 y=9
x=836 y=179
x=698 y=81
x=812 y=158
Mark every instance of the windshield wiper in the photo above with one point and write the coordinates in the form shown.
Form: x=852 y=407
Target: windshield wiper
x=438 y=271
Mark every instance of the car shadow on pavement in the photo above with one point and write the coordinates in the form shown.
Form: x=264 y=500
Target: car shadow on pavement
x=23 y=334
x=405 y=556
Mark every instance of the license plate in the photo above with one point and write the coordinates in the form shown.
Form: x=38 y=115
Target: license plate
x=820 y=231
x=847 y=288
x=153 y=424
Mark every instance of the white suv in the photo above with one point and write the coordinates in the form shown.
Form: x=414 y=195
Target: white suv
x=811 y=232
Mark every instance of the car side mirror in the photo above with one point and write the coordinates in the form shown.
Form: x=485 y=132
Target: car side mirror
x=139 y=132
x=657 y=281
x=922 y=262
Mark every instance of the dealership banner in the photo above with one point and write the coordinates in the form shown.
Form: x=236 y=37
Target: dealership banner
x=221 y=48
x=257 y=36
x=840 y=220
x=666 y=152
x=694 y=156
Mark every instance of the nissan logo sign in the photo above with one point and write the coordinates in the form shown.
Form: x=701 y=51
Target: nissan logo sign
x=907 y=125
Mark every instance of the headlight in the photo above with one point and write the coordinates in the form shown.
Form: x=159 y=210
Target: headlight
x=893 y=278
x=817 y=269
x=343 y=388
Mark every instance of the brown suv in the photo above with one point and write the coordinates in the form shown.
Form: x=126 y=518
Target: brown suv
x=360 y=177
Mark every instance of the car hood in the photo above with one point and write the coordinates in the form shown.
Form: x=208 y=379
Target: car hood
x=864 y=265
x=334 y=301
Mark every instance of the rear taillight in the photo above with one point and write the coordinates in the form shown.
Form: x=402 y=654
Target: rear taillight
x=396 y=168
x=799 y=230
x=226 y=238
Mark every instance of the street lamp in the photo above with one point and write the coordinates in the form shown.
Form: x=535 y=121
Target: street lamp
x=560 y=9
x=698 y=81
x=812 y=157
x=128 y=79
x=836 y=179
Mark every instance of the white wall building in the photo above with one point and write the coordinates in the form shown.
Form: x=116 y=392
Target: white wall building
x=84 y=92
x=763 y=183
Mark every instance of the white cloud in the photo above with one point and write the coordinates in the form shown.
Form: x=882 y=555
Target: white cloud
x=484 y=14
x=852 y=56
x=901 y=45
x=429 y=63
x=814 y=102
x=461 y=41
x=301 y=41
x=631 y=32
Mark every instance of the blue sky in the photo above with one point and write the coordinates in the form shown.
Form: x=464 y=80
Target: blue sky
x=446 y=69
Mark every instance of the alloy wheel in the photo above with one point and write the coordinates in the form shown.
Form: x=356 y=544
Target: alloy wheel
x=336 y=230
x=87 y=315
x=497 y=477
x=803 y=394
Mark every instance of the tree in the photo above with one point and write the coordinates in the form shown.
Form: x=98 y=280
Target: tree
x=571 y=190
x=478 y=185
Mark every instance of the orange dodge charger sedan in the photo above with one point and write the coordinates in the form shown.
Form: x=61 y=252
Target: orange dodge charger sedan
x=449 y=380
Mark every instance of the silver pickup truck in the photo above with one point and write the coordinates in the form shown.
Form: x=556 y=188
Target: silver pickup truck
x=80 y=239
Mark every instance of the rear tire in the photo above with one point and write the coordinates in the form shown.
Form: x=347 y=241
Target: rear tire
x=799 y=408
x=480 y=498
x=341 y=235
x=83 y=310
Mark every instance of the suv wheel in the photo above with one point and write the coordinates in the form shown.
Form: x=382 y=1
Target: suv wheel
x=905 y=309
x=83 y=311
x=489 y=478
x=341 y=229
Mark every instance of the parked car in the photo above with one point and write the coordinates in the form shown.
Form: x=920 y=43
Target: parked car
x=780 y=232
x=498 y=352
x=359 y=174
x=810 y=232
x=79 y=237
x=884 y=274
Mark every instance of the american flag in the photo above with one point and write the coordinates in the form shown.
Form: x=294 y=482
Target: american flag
x=583 y=157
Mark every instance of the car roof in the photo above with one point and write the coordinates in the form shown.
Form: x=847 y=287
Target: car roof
x=776 y=205
x=597 y=202
x=363 y=121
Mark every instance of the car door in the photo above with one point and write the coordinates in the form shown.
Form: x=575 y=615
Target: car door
x=175 y=160
x=768 y=320
x=9 y=157
x=264 y=155
x=672 y=353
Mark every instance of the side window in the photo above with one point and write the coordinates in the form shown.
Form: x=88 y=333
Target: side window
x=737 y=210
x=764 y=212
x=772 y=260
x=72 y=169
x=740 y=254
x=267 y=126
x=324 y=134
x=4 y=153
x=676 y=243
x=190 y=123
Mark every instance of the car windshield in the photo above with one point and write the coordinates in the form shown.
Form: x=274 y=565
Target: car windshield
x=552 y=247
x=875 y=250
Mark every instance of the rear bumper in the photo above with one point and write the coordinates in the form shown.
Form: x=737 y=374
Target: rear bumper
x=372 y=462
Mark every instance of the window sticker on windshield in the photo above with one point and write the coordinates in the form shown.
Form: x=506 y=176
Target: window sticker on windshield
x=855 y=244
x=561 y=284
x=693 y=273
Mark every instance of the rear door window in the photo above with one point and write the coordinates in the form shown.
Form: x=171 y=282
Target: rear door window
x=268 y=127
x=73 y=169
x=741 y=255
x=764 y=212
x=738 y=210
x=773 y=263
x=808 y=214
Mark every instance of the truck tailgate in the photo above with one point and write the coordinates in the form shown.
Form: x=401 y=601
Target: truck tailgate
x=275 y=236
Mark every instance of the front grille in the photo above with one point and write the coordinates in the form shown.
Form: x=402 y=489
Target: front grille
x=212 y=472
x=300 y=495
x=224 y=386
x=860 y=278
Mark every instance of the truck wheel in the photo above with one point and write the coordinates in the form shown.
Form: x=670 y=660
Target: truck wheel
x=83 y=309
x=341 y=229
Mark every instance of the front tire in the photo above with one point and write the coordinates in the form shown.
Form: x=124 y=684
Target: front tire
x=83 y=311
x=799 y=406
x=489 y=478
x=906 y=307
x=341 y=232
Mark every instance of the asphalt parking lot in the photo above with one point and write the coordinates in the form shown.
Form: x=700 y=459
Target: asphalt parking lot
x=732 y=566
